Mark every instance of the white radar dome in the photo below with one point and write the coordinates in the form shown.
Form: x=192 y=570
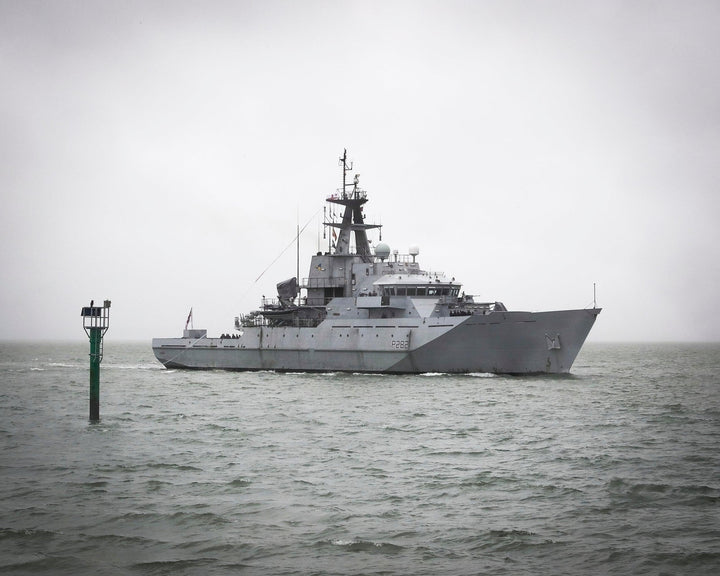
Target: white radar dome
x=414 y=251
x=382 y=251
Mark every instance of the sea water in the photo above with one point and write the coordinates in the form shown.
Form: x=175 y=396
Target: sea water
x=612 y=470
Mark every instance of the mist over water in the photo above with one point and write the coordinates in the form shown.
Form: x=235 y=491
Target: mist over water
x=611 y=470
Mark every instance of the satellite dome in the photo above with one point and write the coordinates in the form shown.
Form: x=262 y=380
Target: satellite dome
x=382 y=251
x=414 y=251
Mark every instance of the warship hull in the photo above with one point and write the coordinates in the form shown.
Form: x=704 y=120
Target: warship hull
x=367 y=308
x=497 y=342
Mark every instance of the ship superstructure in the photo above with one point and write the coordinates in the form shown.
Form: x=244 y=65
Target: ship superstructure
x=368 y=310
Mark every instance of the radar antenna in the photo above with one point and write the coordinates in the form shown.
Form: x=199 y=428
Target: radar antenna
x=346 y=168
x=352 y=219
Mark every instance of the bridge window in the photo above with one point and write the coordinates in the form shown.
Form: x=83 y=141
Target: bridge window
x=433 y=290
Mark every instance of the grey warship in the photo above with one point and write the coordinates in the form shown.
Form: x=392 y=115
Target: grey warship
x=368 y=310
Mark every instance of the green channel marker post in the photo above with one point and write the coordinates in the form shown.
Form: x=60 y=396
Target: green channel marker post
x=96 y=321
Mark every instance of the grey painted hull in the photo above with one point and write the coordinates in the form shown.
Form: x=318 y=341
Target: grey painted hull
x=498 y=342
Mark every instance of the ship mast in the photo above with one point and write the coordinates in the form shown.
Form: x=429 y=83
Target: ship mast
x=353 y=219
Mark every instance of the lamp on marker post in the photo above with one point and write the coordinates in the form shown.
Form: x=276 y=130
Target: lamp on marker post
x=96 y=321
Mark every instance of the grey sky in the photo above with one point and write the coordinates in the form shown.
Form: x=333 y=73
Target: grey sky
x=160 y=154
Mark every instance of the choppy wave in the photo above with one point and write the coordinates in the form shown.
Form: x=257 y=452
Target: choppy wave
x=611 y=471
